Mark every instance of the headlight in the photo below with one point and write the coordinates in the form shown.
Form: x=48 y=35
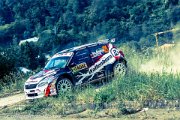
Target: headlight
x=43 y=83
x=46 y=81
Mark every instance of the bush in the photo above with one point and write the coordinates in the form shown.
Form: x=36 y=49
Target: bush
x=7 y=62
x=12 y=83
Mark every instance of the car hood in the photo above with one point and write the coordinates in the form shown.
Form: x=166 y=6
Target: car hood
x=41 y=75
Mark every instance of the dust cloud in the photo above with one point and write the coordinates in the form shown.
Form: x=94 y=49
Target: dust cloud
x=167 y=59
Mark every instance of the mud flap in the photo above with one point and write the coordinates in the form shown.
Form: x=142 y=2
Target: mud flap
x=47 y=90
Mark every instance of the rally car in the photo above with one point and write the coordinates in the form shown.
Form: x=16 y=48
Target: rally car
x=76 y=66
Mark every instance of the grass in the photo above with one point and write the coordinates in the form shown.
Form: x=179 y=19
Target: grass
x=136 y=90
x=15 y=83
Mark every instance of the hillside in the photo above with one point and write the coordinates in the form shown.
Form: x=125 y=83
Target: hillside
x=153 y=76
x=62 y=21
x=154 y=89
x=61 y=24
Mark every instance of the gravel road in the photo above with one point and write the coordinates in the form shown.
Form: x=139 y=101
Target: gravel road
x=10 y=100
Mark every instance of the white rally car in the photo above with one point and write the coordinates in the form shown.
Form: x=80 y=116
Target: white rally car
x=76 y=66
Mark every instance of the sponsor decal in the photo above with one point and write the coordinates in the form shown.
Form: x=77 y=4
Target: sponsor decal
x=106 y=59
x=105 y=48
x=63 y=54
x=101 y=75
x=97 y=53
x=79 y=67
x=99 y=64
x=53 y=88
x=97 y=67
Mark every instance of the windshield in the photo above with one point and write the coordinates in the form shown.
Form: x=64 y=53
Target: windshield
x=59 y=62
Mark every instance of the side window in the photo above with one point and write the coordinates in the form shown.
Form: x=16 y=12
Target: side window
x=98 y=51
x=82 y=56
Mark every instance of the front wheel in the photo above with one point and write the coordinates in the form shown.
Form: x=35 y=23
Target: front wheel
x=119 y=69
x=64 y=85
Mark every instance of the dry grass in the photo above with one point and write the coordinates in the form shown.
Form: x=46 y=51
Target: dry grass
x=137 y=89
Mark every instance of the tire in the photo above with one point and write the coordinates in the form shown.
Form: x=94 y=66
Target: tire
x=63 y=85
x=108 y=74
x=119 y=69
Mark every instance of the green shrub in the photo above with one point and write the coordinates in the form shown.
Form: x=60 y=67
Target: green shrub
x=14 y=83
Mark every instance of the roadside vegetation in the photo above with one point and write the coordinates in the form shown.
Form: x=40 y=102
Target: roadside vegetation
x=14 y=85
x=153 y=76
x=134 y=91
x=61 y=24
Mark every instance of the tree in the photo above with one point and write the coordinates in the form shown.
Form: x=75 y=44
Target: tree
x=29 y=55
x=7 y=61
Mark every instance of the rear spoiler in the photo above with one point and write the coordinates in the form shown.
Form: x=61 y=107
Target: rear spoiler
x=108 y=40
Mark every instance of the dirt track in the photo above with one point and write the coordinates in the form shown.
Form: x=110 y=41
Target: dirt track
x=6 y=101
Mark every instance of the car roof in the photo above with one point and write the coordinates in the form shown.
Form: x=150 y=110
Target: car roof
x=73 y=49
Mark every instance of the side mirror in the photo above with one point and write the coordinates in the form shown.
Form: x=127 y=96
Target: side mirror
x=72 y=64
x=113 y=40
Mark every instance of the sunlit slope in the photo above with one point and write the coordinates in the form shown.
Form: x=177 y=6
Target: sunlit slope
x=166 y=61
x=155 y=59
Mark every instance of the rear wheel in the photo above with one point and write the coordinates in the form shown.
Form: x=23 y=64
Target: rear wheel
x=119 y=69
x=64 y=85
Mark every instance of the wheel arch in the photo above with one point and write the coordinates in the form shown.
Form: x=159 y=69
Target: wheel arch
x=122 y=59
x=66 y=76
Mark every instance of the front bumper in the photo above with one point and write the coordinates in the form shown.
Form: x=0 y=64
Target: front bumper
x=39 y=92
x=34 y=93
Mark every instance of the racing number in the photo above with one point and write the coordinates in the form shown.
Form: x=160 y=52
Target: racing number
x=115 y=52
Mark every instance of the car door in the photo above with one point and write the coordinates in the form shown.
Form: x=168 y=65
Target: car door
x=80 y=64
x=97 y=52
